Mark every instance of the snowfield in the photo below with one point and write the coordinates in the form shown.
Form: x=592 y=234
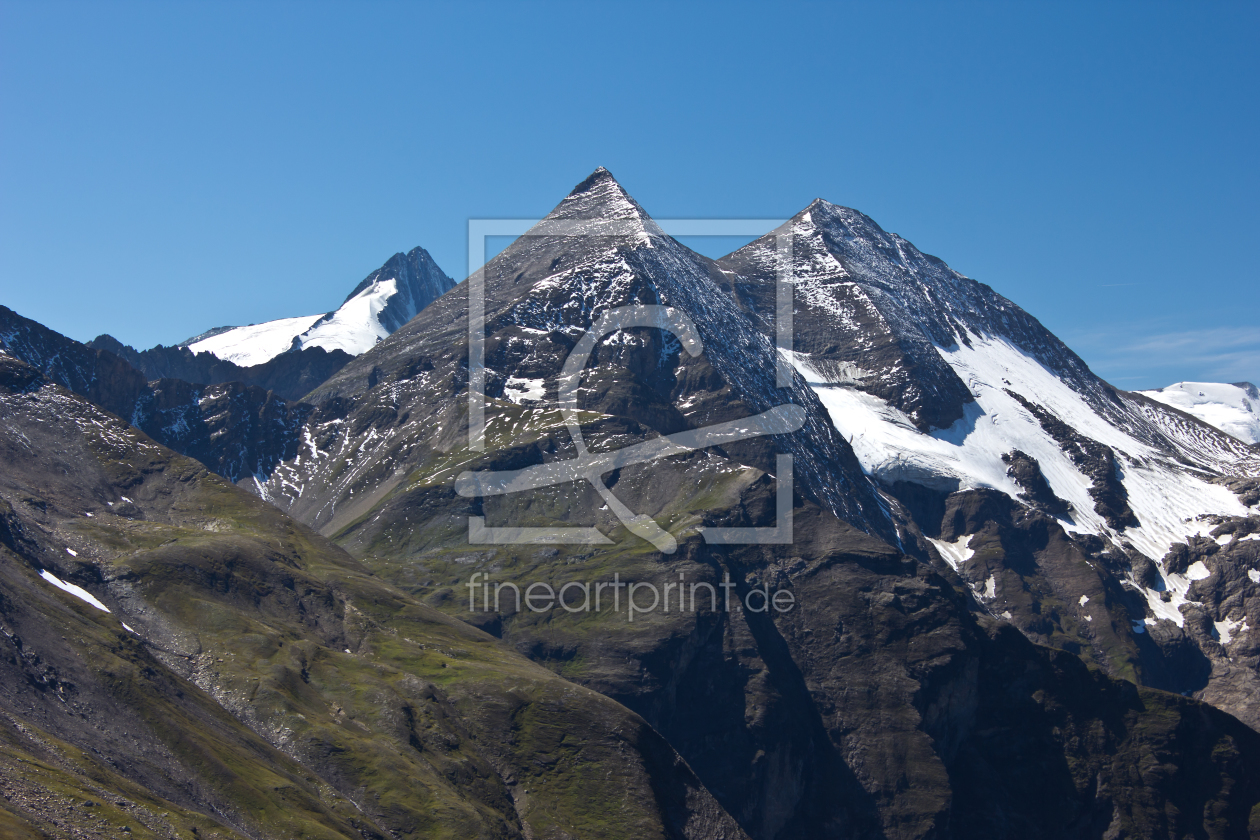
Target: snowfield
x=257 y=343
x=1234 y=409
x=356 y=326
x=1167 y=500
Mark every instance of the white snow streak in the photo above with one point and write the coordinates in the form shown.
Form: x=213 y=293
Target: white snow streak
x=77 y=591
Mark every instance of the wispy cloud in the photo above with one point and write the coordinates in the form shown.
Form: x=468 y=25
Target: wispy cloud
x=1136 y=356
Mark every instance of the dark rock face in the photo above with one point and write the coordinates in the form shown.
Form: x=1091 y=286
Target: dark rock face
x=238 y=431
x=290 y=376
x=1037 y=491
x=100 y=376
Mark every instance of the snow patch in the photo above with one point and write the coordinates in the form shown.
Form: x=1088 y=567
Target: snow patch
x=519 y=389
x=77 y=591
x=990 y=589
x=1198 y=571
x=1225 y=629
x=955 y=553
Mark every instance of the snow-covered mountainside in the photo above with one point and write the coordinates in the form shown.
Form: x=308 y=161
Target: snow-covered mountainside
x=933 y=377
x=1091 y=518
x=1232 y=408
x=388 y=298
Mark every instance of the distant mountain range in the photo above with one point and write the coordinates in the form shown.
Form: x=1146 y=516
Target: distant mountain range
x=1023 y=600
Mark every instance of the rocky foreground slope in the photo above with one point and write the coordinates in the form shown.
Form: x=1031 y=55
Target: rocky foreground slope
x=219 y=671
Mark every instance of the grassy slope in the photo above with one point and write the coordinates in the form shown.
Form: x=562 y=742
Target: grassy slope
x=278 y=675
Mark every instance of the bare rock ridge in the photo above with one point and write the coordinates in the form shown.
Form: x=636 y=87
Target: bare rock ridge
x=236 y=430
x=290 y=375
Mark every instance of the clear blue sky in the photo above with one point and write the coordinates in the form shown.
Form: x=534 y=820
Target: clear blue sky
x=168 y=167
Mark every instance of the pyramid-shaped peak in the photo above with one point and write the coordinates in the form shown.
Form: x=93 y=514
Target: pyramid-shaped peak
x=823 y=213
x=600 y=197
x=596 y=178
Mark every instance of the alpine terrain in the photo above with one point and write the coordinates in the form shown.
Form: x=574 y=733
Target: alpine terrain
x=941 y=581
x=1234 y=409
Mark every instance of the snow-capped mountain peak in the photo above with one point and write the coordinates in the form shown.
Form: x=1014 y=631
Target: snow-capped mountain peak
x=385 y=300
x=934 y=377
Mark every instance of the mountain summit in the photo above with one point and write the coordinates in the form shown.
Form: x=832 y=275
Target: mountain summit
x=385 y=300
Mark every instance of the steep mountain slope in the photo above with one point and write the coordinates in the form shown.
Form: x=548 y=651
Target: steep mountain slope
x=181 y=659
x=887 y=703
x=1053 y=495
x=386 y=299
x=236 y=430
x=541 y=295
x=1234 y=409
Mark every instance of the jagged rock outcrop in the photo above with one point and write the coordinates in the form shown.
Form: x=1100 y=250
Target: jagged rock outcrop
x=290 y=376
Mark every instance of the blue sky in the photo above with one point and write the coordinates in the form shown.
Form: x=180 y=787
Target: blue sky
x=169 y=167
